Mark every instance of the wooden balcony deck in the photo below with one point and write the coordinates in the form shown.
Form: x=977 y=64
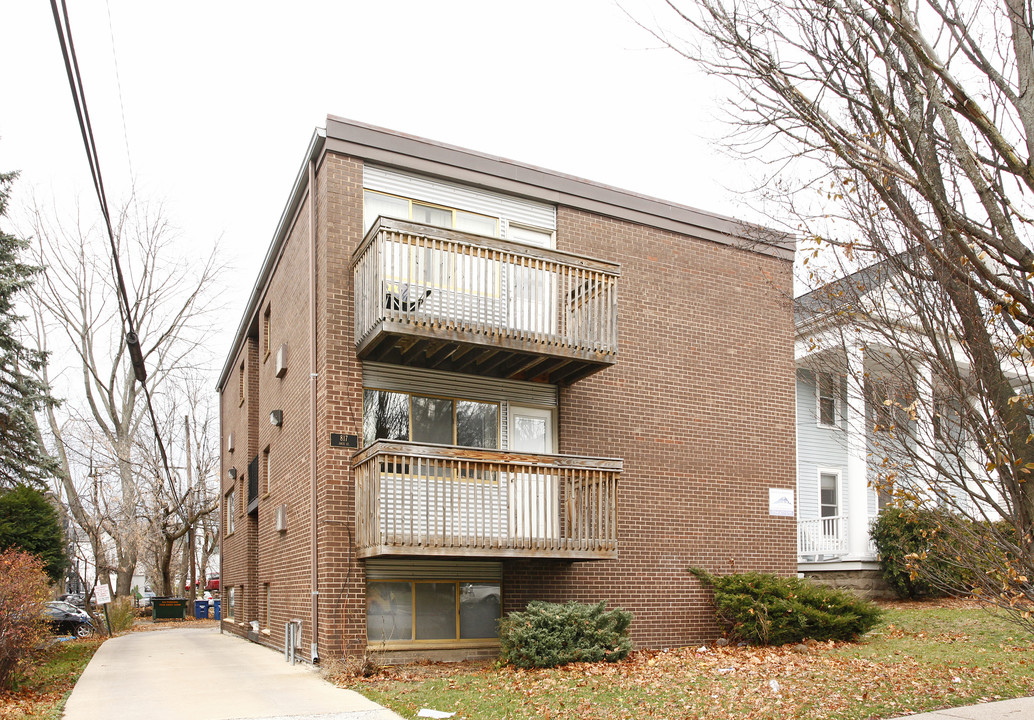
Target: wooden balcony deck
x=414 y=499
x=444 y=299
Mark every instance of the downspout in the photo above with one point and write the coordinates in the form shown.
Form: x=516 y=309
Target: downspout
x=313 y=377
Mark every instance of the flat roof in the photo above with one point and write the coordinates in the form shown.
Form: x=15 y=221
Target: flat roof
x=421 y=155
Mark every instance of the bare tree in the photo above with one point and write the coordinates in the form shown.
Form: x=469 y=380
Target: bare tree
x=182 y=501
x=170 y=297
x=900 y=139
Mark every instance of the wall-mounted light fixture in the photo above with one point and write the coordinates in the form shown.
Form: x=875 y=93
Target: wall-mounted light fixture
x=233 y=473
x=276 y=418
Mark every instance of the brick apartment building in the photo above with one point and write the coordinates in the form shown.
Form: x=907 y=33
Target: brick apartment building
x=437 y=409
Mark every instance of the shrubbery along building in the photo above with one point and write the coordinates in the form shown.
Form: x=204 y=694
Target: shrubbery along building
x=462 y=383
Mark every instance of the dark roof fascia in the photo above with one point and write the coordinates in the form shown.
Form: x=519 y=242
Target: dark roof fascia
x=421 y=155
x=298 y=190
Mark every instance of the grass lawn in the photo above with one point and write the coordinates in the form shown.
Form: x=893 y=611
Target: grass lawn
x=42 y=694
x=922 y=658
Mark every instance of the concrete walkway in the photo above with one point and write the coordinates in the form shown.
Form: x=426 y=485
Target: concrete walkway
x=202 y=675
x=1018 y=709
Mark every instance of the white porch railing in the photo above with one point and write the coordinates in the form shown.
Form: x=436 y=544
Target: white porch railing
x=825 y=536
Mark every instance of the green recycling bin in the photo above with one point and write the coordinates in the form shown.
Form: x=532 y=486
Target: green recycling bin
x=168 y=608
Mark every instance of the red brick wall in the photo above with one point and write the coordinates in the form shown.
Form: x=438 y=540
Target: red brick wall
x=700 y=406
x=342 y=606
x=239 y=416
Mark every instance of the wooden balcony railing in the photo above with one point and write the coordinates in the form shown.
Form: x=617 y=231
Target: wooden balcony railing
x=414 y=499
x=438 y=298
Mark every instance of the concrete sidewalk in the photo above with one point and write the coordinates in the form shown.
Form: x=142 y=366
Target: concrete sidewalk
x=202 y=675
x=1018 y=709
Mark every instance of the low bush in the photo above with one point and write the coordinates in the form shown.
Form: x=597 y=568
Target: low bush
x=23 y=592
x=550 y=634
x=905 y=537
x=764 y=609
x=121 y=614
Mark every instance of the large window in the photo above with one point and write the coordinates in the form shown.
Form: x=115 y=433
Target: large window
x=404 y=611
x=423 y=418
x=376 y=204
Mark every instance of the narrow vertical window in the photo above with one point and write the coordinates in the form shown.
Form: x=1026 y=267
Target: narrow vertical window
x=231 y=501
x=267 y=594
x=241 y=377
x=267 y=472
x=265 y=333
x=827 y=398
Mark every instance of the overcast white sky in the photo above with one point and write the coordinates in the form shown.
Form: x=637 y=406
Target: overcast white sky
x=220 y=100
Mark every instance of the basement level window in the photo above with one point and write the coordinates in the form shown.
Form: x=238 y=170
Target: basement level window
x=399 y=611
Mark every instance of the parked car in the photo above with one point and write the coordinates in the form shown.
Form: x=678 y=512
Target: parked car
x=77 y=599
x=145 y=598
x=66 y=619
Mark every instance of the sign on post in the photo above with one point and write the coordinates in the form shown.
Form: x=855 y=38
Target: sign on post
x=102 y=596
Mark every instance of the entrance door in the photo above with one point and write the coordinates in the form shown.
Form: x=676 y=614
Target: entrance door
x=533 y=496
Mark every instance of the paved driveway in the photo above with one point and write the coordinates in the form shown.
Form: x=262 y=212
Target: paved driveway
x=202 y=675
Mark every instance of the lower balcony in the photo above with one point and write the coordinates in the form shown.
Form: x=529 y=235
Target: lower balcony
x=436 y=500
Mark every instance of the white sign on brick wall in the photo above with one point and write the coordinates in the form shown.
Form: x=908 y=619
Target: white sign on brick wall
x=780 y=502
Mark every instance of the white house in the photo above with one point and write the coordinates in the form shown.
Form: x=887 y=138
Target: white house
x=872 y=413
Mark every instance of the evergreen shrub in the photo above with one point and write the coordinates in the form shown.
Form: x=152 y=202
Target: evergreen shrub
x=549 y=634
x=905 y=537
x=764 y=609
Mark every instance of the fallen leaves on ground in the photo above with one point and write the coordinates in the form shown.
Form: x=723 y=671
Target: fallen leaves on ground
x=53 y=675
x=887 y=676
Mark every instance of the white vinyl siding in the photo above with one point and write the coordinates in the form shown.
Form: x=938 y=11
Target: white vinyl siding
x=817 y=448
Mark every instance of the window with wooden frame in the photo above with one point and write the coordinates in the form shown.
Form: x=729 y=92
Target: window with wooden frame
x=406 y=611
x=827 y=390
x=429 y=419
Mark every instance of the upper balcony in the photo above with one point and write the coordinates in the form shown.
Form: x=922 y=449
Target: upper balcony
x=449 y=300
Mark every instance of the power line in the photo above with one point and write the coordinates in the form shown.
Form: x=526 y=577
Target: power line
x=118 y=84
x=75 y=83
